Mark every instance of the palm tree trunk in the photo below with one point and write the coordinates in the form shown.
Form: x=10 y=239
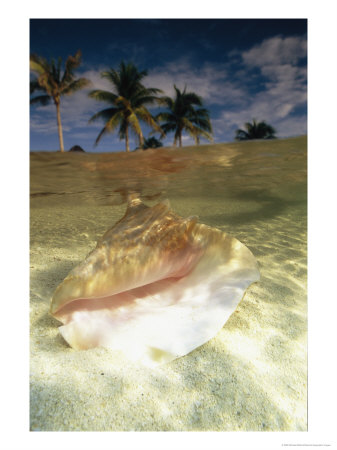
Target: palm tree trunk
x=59 y=126
x=180 y=139
x=176 y=136
x=141 y=140
x=127 y=138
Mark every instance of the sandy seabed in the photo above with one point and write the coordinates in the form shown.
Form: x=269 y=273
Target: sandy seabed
x=252 y=376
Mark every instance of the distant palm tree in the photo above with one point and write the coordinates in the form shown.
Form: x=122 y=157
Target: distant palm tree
x=255 y=130
x=127 y=103
x=152 y=142
x=182 y=115
x=50 y=81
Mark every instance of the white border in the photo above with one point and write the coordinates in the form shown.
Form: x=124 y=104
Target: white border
x=322 y=224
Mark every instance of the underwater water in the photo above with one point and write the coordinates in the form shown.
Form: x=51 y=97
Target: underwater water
x=253 y=374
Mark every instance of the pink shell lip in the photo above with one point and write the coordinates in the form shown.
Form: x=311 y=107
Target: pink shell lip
x=114 y=300
x=142 y=228
x=126 y=298
x=168 y=290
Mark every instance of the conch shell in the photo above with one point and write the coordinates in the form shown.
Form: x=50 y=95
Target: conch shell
x=155 y=287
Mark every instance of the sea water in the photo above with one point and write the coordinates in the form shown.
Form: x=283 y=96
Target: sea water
x=252 y=375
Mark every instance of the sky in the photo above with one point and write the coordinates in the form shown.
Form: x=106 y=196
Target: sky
x=243 y=69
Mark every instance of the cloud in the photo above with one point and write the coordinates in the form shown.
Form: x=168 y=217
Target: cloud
x=43 y=123
x=187 y=140
x=285 y=124
x=210 y=81
x=267 y=82
x=94 y=75
x=279 y=62
x=272 y=77
x=276 y=51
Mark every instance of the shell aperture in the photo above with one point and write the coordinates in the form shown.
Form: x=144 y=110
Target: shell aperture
x=155 y=287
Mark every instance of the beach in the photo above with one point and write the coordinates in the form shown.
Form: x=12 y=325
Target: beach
x=252 y=376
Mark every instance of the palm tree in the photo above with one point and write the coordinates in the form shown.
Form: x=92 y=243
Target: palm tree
x=53 y=85
x=255 y=130
x=183 y=116
x=127 y=101
x=151 y=142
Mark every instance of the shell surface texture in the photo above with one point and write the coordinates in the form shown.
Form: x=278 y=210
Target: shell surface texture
x=155 y=287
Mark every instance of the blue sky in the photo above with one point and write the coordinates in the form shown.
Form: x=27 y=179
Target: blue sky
x=242 y=69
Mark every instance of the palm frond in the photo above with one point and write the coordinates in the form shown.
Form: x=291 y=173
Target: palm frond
x=41 y=99
x=135 y=125
x=75 y=86
x=146 y=116
x=201 y=113
x=103 y=131
x=114 y=121
x=72 y=63
x=154 y=91
x=168 y=127
x=192 y=99
x=105 y=114
x=104 y=96
x=54 y=72
x=124 y=103
x=38 y=64
x=110 y=126
x=199 y=132
x=130 y=72
x=34 y=86
x=166 y=101
x=187 y=124
x=203 y=124
x=165 y=116
x=241 y=135
x=45 y=83
x=111 y=75
x=143 y=95
x=144 y=99
x=58 y=70
x=195 y=131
